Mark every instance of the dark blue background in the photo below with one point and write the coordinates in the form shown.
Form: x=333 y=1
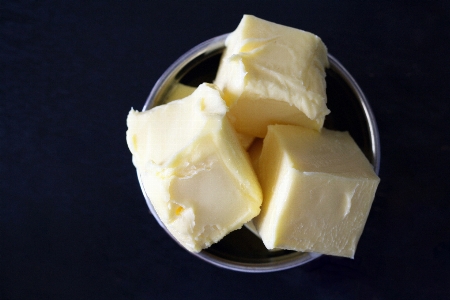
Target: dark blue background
x=73 y=221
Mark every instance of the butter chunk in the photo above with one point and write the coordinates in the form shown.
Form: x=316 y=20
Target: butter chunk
x=273 y=74
x=318 y=190
x=198 y=177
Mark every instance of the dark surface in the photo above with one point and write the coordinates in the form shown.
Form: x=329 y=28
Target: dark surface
x=73 y=221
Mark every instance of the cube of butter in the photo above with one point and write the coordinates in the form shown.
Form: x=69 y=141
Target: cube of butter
x=318 y=190
x=198 y=177
x=273 y=74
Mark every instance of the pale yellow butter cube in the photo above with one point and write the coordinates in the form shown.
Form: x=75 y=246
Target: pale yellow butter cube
x=273 y=74
x=318 y=190
x=198 y=177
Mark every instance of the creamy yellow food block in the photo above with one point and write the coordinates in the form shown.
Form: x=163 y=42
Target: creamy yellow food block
x=198 y=177
x=273 y=74
x=318 y=190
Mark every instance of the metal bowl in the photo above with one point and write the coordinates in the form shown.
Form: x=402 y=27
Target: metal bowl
x=241 y=250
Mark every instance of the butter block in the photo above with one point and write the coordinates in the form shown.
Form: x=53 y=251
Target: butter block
x=273 y=74
x=318 y=190
x=198 y=177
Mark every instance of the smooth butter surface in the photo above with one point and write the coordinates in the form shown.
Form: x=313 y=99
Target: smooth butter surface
x=318 y=190
x=196 y=174
x=273 y=74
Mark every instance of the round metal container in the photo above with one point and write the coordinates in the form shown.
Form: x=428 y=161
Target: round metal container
x=241 y=250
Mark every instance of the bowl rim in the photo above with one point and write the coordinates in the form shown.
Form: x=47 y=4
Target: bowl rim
x=205 y=49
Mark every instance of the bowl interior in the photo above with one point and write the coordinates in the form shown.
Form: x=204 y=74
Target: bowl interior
x=241 y=250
